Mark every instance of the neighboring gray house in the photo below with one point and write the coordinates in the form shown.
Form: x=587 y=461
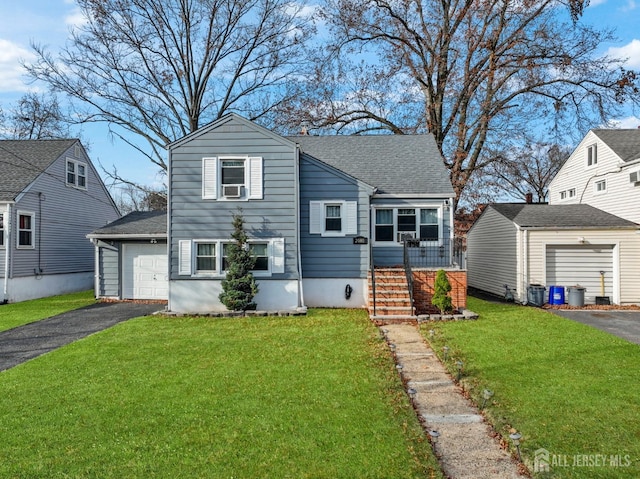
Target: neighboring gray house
x=554 y=245
x=314 y=208
x=50 y=198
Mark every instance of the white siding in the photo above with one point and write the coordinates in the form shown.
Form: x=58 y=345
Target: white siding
x=491 y=253
x=626 y=256
x=621 y=198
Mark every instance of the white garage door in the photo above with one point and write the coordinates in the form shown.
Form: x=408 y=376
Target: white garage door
x=144 y=271
x=570 y=265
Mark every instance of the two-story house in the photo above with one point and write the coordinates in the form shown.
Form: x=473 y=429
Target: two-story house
x=50 y=197
x=319 y=212
x=603 y=171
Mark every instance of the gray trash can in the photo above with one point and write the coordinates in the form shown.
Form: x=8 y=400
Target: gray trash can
x=576 y=295
x=535 y=294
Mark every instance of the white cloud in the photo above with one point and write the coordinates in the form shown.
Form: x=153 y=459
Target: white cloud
x=630 y=51
x=595 y=3
x=628 y=122
x=75 y=18
x=631 y=5
x=11 y=71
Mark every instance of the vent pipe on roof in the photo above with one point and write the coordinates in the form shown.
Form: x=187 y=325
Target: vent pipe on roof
x=529 y=198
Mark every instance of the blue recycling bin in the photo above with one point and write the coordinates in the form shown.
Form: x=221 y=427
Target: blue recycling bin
x=556 y=295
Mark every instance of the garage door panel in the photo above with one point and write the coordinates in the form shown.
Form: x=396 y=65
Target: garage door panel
x=570 y=265
x=145 y=271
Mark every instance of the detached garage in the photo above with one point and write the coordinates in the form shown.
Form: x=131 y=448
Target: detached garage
x=518 y=245
x=131 y=257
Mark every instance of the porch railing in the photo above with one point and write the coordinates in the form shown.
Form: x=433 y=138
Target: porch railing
x=431 y=253
x=409 y=274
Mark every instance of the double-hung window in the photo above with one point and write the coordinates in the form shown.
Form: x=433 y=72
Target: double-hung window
x=76 y=174
x=429 y=224
x=206 y=257
x=600 y=186
x=232 y=178
x=259 y=250
x=25 y=236
x=592 y=155
x=333 y=218
x=384 y=225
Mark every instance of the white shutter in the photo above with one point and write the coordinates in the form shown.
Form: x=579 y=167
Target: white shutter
x=184 y=257
x=277 y=258
x=255 y=178
x=209 y=178
x=351 y=218
x=315 y=217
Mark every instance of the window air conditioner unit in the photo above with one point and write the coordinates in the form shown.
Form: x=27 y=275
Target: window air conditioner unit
x=405 y=235
x=634 y=177
x=231 y=191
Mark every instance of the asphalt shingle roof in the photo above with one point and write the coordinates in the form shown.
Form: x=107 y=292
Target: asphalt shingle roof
x=21 y=161
x=395 y=164
x=560 y=216
x=136 y=223
x=624 y=142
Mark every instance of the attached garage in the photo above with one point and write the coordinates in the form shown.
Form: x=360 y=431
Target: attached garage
x=144 y=271
x=519 y=245
x=131 y=257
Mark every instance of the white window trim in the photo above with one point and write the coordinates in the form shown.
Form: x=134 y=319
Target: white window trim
x=629 y=173
x=596 y=191
x=592 y=147
x=252 y=189
x=348 y=215
x=76 y=163
x=33 y=229
x=187 y=257
x=395 y=208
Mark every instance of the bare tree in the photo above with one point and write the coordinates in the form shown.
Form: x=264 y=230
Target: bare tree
x=528 y=169
x=34 y=117
x=132 y=198
x=471 y=72
x=162 y=69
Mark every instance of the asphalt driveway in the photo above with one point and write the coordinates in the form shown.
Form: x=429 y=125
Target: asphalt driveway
x=32 y=340
x=624 y=324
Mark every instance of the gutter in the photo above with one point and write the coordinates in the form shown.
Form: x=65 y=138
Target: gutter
x=125 y=236
x=7 y=255
x=297 y=216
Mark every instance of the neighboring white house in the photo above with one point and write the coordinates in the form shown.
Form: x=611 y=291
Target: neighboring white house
x=603 y=171
x=519 y=245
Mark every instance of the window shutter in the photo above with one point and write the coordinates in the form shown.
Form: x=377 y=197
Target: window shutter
x=351 y=218
x=277 y=258
x=209 y=178
x=255 y=178
x=315 y=217
x=184 y=257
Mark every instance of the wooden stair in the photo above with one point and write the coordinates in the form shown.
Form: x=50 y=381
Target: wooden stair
x=392 y=295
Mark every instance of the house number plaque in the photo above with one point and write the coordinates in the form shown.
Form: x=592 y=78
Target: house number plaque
x=360 y=240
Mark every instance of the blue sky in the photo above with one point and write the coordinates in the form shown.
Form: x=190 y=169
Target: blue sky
x=48 y=22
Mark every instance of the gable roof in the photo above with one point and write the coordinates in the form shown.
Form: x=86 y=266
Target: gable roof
x=624 y=142
x=21 y=161
x=394 y=164
x=539 y=215
x=141 y=224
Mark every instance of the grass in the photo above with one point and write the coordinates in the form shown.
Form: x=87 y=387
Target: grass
x=157 y=397
x=17 y=314
x=566 y=387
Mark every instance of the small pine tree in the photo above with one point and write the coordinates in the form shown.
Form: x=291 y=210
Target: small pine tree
x=239 y=287
x=441 y=298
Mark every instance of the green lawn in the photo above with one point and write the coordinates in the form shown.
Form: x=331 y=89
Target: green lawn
x=17 y=314
x=566 y=387
x=299 y=397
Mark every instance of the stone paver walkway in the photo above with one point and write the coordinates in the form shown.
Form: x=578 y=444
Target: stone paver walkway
x=465 y=447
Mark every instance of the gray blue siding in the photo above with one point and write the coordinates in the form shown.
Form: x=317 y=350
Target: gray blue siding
x=63 y=217
x=331 y=257
x=192 y=217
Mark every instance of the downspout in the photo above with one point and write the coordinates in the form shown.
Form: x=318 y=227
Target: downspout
x=7 y=252
x=297 y=215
